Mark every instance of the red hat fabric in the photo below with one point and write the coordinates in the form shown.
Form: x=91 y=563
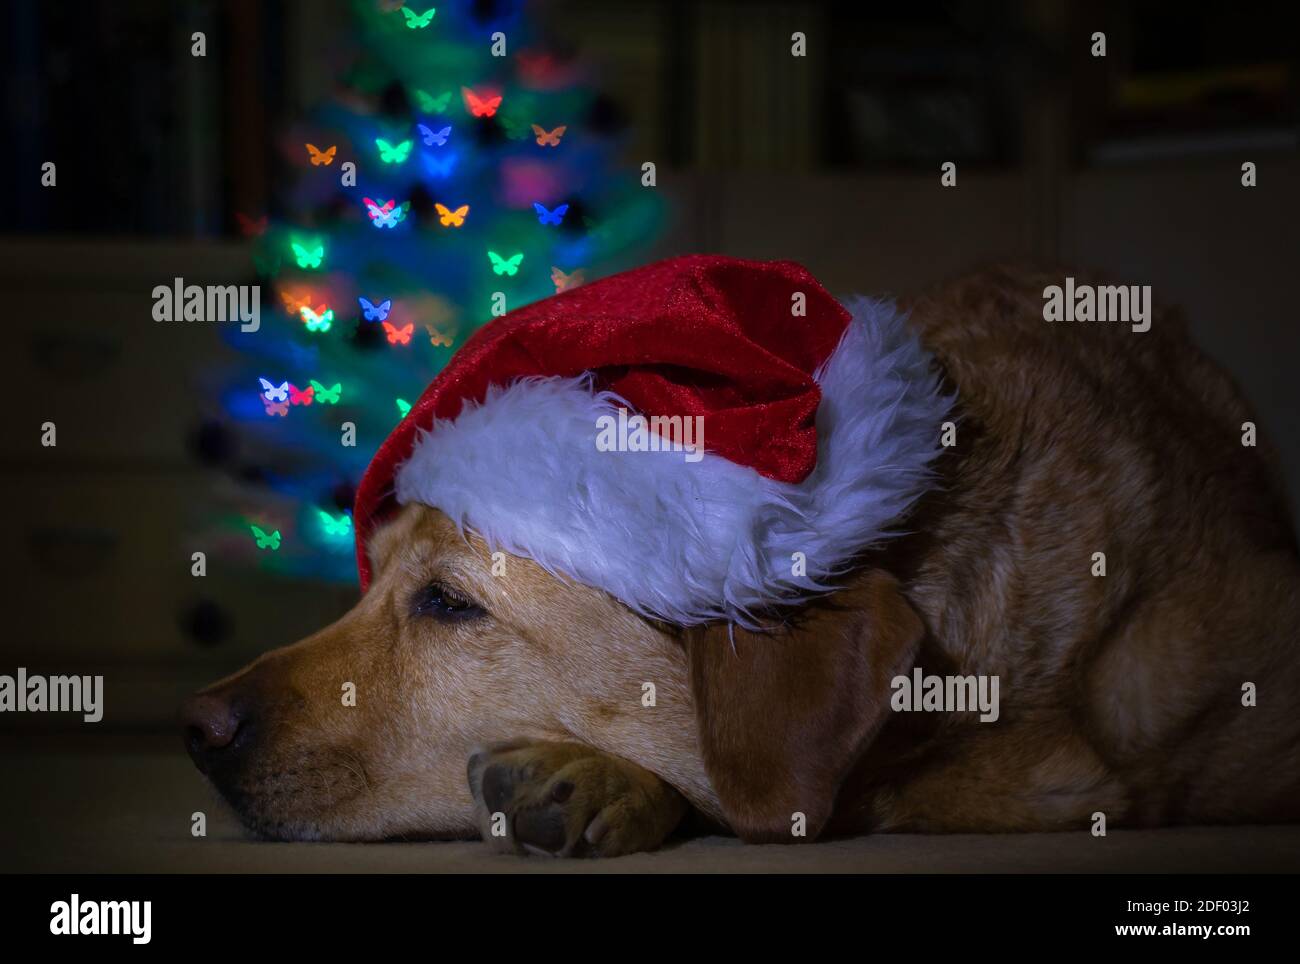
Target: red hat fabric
x=695 y=335
x=816 y=425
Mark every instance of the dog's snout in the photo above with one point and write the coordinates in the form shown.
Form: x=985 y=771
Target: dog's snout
x=212 y=722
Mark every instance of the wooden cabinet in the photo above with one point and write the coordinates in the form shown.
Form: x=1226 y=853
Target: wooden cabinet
x=95 y=552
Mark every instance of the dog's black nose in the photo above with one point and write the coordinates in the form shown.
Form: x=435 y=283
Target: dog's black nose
x=211 y=723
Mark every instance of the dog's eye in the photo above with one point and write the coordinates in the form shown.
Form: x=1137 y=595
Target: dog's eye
x=438 y=601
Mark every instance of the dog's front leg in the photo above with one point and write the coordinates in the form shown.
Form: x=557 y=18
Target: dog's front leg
x=569 y=800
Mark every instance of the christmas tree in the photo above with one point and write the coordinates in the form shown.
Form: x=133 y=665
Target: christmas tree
x=461 y=171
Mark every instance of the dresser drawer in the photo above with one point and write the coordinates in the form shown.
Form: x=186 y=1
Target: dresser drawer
x=118 y=386
x=99 y=566
x=84 y=351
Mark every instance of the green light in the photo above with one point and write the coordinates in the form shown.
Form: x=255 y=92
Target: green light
x=326 y=396
x=334 y=528
x=265 y=541
x=317 y=322
x=507 y=266
x=308 y=257
x=390 y=154
x=418 y=20
x=430 y=104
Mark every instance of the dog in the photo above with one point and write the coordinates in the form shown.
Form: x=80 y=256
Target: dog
x=1099 y=538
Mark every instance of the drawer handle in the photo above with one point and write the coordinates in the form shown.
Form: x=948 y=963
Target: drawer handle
x=206 y=623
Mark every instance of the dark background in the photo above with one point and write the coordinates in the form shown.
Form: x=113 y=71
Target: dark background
x=1131 y=164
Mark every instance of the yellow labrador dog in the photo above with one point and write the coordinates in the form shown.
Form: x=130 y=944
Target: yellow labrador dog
x=501 y=699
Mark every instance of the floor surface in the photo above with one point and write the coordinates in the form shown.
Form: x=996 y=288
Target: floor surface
x=127 y=807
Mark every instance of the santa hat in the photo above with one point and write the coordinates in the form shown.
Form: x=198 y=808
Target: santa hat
x=818 y=424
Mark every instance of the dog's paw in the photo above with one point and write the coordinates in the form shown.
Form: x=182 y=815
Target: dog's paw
x=569 y=800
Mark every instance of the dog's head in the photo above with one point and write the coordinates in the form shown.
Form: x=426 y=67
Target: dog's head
x=362 y=731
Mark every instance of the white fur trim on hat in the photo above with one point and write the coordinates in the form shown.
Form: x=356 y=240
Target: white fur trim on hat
x=698 y=539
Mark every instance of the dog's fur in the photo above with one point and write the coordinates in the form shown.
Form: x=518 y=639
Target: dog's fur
x=1120 y=694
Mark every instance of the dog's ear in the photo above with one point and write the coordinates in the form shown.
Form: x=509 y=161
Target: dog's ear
x=783 y=715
